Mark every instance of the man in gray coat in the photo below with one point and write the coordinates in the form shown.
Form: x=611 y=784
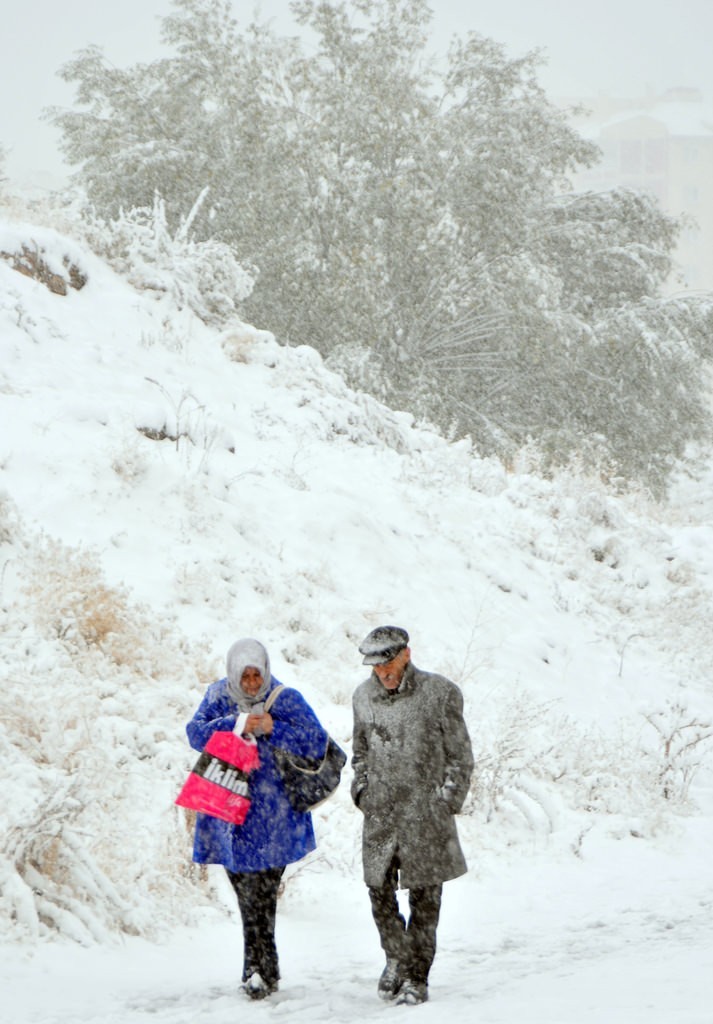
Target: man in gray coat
x=412 y=761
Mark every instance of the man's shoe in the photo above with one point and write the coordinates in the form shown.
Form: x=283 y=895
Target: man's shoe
x=412 y=993
x=390 y=980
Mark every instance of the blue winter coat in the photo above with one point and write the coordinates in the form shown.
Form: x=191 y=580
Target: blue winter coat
x=273 y=834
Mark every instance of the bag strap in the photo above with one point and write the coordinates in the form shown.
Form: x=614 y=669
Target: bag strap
x=307 y=771
x=310 y=771
x=273 y=696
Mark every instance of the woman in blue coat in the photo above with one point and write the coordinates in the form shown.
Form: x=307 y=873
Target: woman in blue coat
x=273 y=835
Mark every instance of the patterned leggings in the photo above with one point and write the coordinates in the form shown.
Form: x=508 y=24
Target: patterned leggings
x=257 y=899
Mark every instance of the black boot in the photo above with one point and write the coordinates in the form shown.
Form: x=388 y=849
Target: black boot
x=390 y=980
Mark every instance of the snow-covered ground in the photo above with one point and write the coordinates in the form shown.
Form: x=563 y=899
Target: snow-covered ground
x=215 y=485
x=622 y=936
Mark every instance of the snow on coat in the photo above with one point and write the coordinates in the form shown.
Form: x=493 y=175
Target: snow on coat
x=412 y=761
x=273 y=834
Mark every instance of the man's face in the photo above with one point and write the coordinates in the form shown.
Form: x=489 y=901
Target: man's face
x=391 y=672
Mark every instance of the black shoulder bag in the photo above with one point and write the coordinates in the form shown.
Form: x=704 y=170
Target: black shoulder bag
x=308 y=783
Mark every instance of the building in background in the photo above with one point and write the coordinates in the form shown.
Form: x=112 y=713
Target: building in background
x=662 y=144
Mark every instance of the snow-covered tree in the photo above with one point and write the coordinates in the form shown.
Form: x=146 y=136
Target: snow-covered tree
x=412 y=219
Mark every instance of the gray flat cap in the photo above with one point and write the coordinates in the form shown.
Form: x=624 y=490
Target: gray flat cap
x=383 y=644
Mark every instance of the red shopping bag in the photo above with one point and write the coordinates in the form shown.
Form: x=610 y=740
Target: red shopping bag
x=219 y=781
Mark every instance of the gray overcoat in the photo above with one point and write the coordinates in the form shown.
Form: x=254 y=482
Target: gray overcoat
x=412 y=761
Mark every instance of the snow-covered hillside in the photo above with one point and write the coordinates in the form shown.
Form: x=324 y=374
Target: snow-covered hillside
x=165 y=489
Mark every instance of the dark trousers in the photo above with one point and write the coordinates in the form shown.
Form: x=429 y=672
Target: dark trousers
x=257 y=899
x=412 y=944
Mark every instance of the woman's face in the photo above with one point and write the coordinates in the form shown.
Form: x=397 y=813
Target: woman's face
x=251 y=681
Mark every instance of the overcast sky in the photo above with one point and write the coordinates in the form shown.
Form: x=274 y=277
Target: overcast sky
x=624 y=47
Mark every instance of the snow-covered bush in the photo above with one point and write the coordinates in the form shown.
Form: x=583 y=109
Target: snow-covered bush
x=83 y=748
x=75 y=605
x=203 y=275
x=680 y=751
x=534 y=766
x=92 y=699
x=8 y=518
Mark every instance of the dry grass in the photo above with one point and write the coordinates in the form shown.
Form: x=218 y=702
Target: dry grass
x=73 y=603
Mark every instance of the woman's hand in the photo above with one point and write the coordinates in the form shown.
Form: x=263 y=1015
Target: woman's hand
x=259 y=725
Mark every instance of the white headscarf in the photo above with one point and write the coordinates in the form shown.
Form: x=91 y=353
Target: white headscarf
x=247 y=654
